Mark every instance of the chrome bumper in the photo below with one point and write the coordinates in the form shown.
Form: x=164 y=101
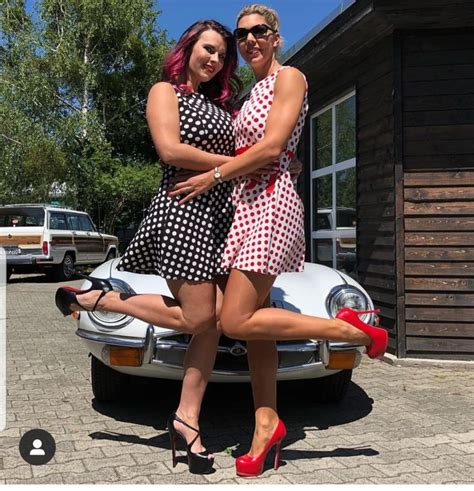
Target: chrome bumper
x=168 y=349
x=20 y=259
x=28 y=260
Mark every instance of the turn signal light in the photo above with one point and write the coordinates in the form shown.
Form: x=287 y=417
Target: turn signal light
x=342 y=359
x=125 y=357
x=45 y=248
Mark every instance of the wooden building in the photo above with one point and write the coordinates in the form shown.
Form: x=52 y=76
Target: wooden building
x=390 y=140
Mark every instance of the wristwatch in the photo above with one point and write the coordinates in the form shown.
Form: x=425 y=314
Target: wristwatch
x=218 y=175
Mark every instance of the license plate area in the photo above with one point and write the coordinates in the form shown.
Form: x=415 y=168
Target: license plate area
x=12 y=251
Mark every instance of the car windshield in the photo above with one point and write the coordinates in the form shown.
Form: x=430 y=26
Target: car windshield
x=21 y=217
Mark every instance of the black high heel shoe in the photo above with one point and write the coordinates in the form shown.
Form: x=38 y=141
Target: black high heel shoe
x=67 y=295
x=199 y=462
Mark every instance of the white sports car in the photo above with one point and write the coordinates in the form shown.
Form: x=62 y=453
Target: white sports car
x=124 y=347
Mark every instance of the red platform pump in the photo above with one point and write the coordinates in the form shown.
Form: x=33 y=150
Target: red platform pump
x=247 y=466
x=378 y=336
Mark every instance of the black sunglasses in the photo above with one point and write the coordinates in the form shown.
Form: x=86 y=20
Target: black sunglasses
x=257 y=31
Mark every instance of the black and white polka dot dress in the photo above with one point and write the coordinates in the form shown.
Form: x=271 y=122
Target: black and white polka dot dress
x=187 y=241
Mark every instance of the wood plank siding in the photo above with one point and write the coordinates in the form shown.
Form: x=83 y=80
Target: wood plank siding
x=371 y=74
x=438 y=157
x=411 y=65
x=376 y=208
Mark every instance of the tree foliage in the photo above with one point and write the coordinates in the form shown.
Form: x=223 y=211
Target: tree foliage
x=73 y=90
x=246 y=76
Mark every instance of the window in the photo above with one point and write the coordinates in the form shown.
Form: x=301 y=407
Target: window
x=86 y=224
x=73 y=222
x=57 y=221
x=333 y=185
x=21 y=217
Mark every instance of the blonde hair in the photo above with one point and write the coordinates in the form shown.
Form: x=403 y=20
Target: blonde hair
x=270 y=15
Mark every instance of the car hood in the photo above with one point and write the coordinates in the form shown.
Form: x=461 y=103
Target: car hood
x=300 y=292
x=307 y=291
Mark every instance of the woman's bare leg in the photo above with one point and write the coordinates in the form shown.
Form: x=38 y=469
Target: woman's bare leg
x=240 y=318
x=263 y=363
x=159 y=310
x=198 y=363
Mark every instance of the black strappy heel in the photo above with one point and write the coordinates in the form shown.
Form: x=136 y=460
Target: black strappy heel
x=67 y=295
x=199 y=462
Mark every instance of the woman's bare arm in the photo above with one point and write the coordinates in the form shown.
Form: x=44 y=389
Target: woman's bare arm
x=162 y=115
x=290 y=89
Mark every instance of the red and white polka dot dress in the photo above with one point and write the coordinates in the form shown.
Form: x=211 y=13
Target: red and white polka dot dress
x=267 y=232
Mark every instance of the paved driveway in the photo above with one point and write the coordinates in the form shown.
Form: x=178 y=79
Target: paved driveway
x=397 y=424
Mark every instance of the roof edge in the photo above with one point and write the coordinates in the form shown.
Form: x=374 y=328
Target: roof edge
x=345 y=4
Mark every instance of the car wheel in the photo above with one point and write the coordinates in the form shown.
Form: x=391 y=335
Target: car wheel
x=9 y=273
x=65 y=271
x=107 y=384
x=332 y=388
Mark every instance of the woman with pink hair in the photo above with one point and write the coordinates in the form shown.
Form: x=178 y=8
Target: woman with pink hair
x=189 y=114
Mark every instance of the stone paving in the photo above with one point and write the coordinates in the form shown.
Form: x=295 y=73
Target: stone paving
x=397 y=425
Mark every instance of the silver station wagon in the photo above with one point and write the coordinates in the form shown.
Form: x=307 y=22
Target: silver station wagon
x=43 y=238
x=123 y=347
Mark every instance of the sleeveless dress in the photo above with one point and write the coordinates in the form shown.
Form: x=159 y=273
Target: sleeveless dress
x=267 y=233
x=187 y=241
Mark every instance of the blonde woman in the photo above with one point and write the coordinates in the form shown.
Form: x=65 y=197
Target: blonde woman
x=267 y=235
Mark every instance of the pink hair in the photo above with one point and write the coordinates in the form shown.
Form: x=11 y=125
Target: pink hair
x=222 y=89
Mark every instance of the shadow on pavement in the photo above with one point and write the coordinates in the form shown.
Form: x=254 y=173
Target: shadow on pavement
x=227 y=417
x=38 y=279
x=31 y=278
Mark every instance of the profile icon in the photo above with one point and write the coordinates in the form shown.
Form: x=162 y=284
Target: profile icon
x=37 y=447
x=37 y=450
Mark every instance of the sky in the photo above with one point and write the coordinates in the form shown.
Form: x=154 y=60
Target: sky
x=297 y=17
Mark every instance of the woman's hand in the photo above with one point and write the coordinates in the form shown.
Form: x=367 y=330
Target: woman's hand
x=194 y=186
x=266 y=170
x=182 y=175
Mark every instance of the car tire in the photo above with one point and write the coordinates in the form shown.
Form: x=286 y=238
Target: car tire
x=332 y=388
x=107 y=384
x=65 y=270
x=8 y=273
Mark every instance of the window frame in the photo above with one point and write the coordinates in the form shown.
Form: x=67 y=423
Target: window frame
x=332 y=170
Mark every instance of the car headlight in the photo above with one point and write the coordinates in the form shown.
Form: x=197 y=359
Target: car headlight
x=347 y=296
x=113 y=320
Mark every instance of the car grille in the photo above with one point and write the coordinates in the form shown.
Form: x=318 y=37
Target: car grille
x=231 y=354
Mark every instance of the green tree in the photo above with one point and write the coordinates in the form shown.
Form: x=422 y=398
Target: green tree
x=246 y=75
x=30 y=157
x=91 y=63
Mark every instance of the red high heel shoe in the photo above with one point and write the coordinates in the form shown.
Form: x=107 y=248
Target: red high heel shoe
x=379 y=336
x=247 y=466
